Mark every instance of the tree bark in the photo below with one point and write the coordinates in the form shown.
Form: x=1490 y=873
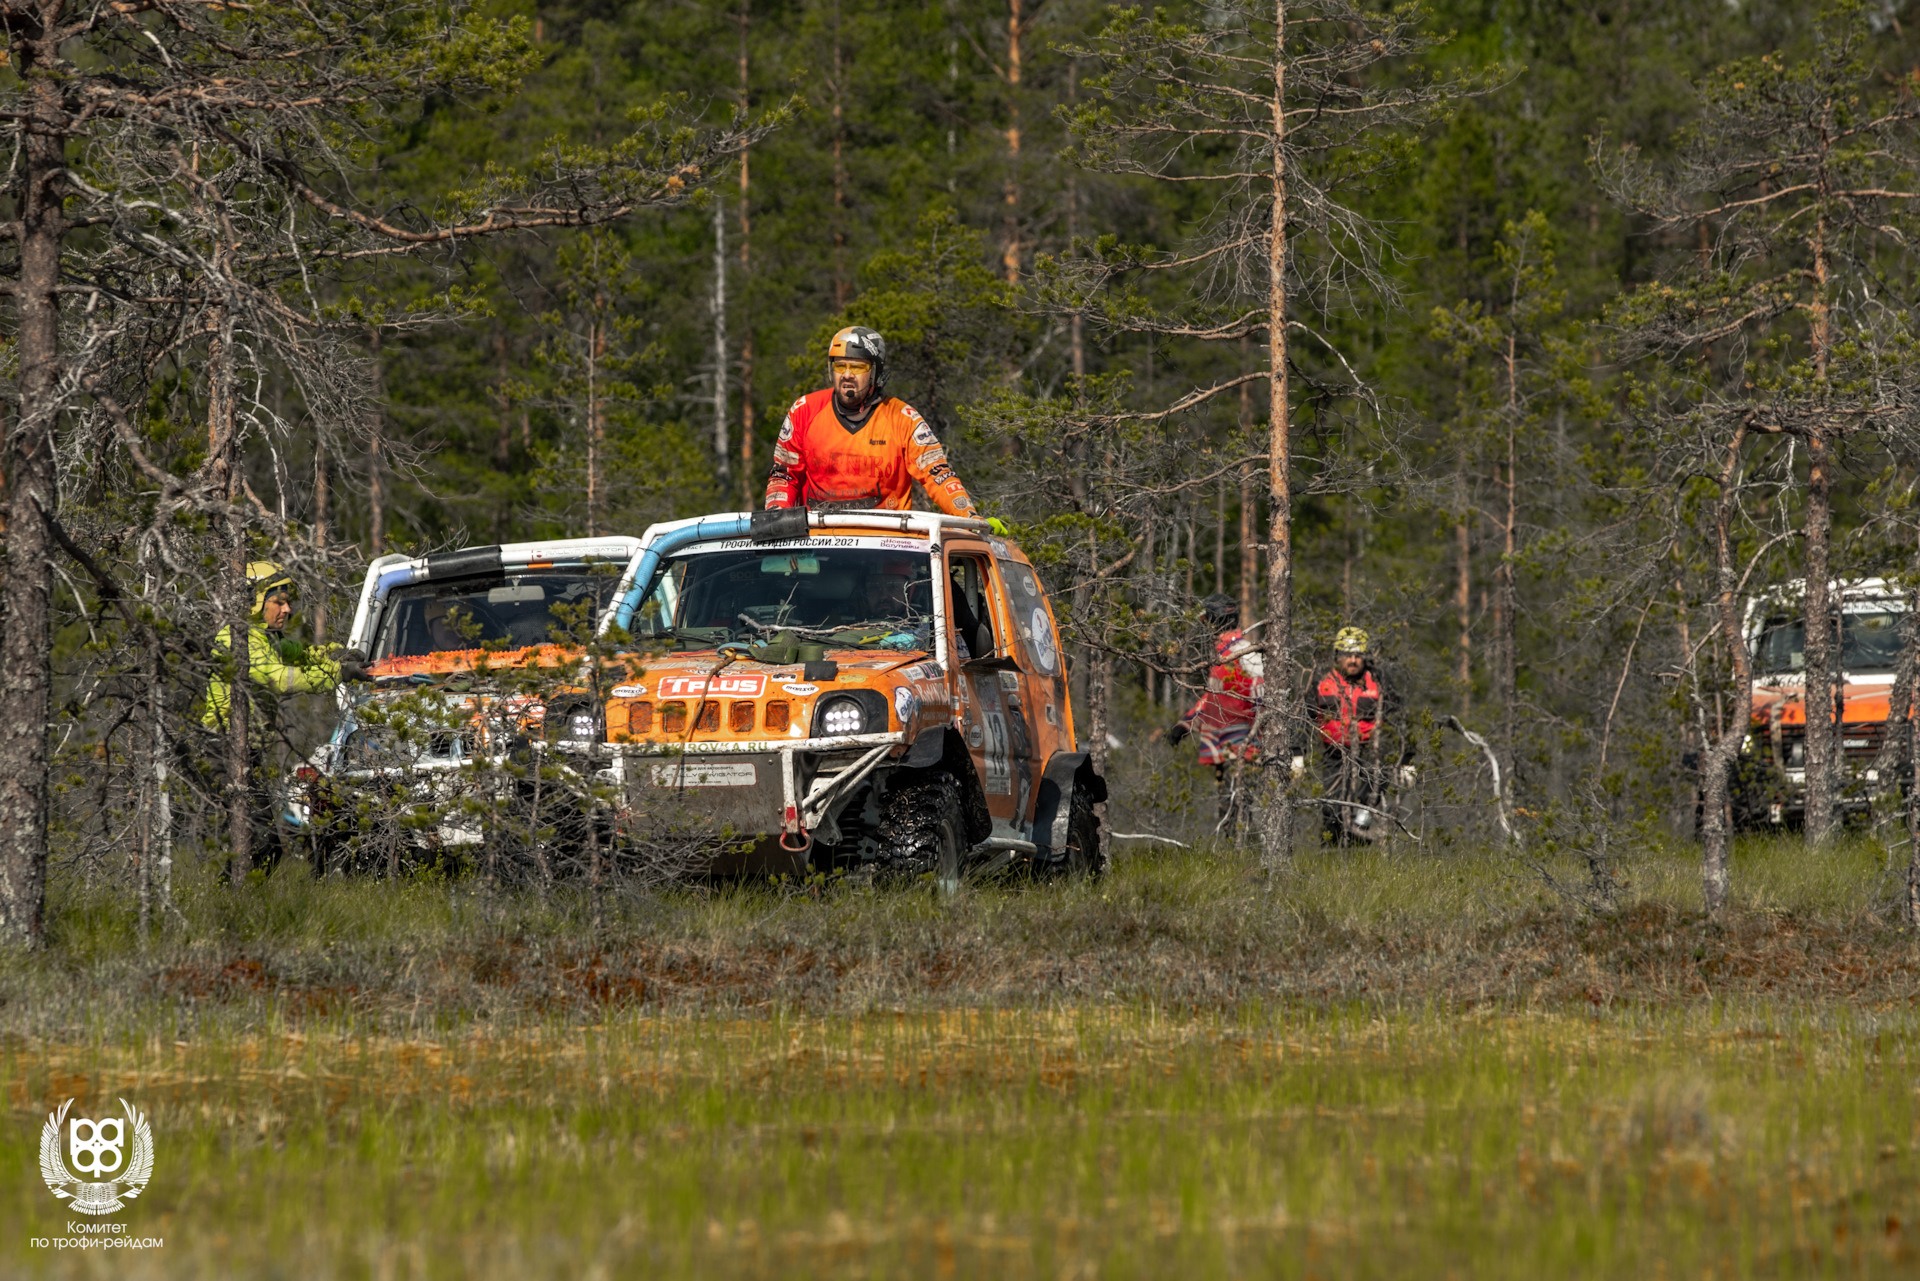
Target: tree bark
x=1463 y=589
x=1010 y=251
x=1249 y=513
x=25 y=597
x=1276 y=820
x=722 y=452
x=1506 y=603
x=748 y=499
x=376 y=461
x=321 y=498
x=1716 y=760
x=1822 y=744
x=841 y=284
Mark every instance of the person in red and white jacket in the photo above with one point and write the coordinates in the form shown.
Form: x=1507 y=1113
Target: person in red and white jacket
x=1223 y=717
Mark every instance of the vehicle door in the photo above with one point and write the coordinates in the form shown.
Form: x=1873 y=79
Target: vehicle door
x=1043 y=668
x=976 y=620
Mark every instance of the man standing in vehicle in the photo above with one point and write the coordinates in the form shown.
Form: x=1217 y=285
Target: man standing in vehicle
x=274 y=666
x=852 y=443
x=1351 y=704
x=1223 y=716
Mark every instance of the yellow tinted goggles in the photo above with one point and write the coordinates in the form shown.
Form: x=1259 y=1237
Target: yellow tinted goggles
x=851 y=366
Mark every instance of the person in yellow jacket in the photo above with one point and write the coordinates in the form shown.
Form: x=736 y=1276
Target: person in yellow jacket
x=274 y=666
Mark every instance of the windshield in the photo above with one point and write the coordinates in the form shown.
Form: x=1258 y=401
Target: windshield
x=849 y=596
x=499 y=612
x=1871 y=644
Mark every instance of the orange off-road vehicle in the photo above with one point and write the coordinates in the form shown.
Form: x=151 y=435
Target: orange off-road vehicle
x=862 y=689
x=1770 y=781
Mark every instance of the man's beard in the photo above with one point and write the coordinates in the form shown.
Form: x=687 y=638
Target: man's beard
x=851 y=402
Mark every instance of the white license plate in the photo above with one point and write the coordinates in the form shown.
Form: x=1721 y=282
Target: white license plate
x=706 y=774
x=1856 y=742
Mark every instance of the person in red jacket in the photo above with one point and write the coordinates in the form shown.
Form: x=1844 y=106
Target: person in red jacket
x=1223 y=716
x=852 y=443
x=1351 y=704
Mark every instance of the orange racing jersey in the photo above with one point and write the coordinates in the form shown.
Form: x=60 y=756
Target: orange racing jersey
x=820 y=459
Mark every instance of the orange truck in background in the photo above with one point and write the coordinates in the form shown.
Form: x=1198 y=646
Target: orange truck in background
x=1770 y=782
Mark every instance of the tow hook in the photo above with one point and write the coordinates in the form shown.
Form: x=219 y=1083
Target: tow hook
x=790 y=828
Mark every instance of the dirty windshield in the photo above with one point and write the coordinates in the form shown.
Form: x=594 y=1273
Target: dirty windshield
x=1872 y=644
x=499 y=612
x=852 y=596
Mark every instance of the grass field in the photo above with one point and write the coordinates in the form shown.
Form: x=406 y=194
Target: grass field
x=1387 y=1066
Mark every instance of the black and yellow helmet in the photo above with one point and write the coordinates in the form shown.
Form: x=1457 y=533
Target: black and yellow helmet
x=266 y=577
x=857 y=342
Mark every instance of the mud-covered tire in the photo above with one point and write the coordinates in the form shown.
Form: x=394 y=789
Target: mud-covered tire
x=922 y=827
x=1082 y=855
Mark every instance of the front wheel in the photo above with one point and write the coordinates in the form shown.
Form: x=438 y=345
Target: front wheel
x=921 y=829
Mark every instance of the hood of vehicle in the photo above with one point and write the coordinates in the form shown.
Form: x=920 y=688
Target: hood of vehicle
x=852 y=663
x=450 y=662
x=1864 y=702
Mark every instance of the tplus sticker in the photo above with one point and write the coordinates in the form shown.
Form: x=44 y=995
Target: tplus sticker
x=725 y=685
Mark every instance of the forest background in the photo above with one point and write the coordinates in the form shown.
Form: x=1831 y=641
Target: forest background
x=1479 y=475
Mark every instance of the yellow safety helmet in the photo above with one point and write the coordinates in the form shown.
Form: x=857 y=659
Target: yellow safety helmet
x=1350 y=640
x=857 y=342
x=266 y=577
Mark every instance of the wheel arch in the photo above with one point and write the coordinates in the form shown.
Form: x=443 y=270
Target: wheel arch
x=1067 y=774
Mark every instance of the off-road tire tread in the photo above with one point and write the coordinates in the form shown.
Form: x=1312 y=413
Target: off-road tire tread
x=912 y=818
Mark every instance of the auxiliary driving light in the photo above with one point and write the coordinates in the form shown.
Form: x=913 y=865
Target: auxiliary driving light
x=843 y=716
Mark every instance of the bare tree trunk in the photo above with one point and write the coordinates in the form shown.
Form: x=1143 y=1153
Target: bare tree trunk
x=1276 y=822
x=162 y=880
x=1716 y=761
x=1913 y=826
x=748 y=499
x=1099 y=689
x=26 y=595
x=321 y=498
x=143 y=758
x=596 y=429
x=722 y=454
x=1220 y=537
x=840 y=281
x=1463 y=589
x=503 y=442
x=1010 y=252
x=223 y=450
x=239 y=704
x=1822 y=744
x=376 y=448
x=1506 y=602
x=1885 y=785
x=1249 y=514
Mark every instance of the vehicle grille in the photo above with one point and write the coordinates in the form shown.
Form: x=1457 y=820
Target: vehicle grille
x=1859 y=741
